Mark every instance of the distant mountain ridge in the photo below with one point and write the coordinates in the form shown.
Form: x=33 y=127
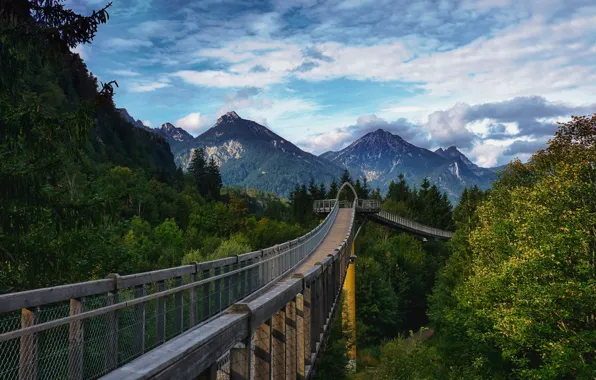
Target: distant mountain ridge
x=251 y=155
x=380 y=156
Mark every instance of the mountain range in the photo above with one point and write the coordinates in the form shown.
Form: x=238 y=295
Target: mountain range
x=251 y=155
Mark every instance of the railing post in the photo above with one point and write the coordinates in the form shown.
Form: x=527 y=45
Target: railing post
x=76 y=348
x=292 y=352
x=243 y=279
x=161 y=313
x=226 y=287
x=193 y=301
x=278 y=345
x=179 y=306
x=206 y=295
x=217 y=292
x=28 y=346
x=262 y=352
x=139 y=317
x=112 y=333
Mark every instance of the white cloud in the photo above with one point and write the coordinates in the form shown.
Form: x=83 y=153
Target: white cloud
x=146 y=123
x=125 y=73
x=193 y=122
x=148 y=86
x=222 y=79
x=118 y=44
x=403 y=109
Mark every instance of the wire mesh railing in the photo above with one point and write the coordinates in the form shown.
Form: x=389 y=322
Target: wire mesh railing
x=414 y=226
x=85 y=330
x=279 y=334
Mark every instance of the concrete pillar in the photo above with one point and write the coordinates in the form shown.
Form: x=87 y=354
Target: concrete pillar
x=349 y=315
x=291 y=340
x=278 y=345
x=262 y=352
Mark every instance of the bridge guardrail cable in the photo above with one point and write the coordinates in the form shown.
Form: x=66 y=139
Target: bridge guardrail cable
x=87 y=329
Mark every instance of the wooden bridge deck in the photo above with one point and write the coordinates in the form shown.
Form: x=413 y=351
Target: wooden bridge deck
x=336 y=235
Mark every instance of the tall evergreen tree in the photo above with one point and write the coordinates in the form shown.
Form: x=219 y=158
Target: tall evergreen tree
x=313 y=189
x=214 y=180
x=345 y=177
x=333 y=188
x=198 y=170
x=322 y=191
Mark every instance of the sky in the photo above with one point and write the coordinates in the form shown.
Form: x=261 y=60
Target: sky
x=492 y=77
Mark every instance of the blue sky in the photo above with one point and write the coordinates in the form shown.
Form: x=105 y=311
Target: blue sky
x=489 y=76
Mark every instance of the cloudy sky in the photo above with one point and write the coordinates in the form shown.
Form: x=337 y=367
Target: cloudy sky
x=489 y=76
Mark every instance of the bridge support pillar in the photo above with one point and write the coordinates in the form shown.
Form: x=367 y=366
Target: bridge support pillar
x=240 y=361
x=278 y=345
x=349 y=313
x=262 y=352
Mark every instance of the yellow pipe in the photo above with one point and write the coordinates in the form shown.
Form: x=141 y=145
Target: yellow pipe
x=349 y=315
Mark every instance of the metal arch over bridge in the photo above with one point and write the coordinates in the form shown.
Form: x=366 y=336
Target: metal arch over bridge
x=258 y=315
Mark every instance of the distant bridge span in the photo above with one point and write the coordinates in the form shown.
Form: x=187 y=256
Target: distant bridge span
x=258 y=315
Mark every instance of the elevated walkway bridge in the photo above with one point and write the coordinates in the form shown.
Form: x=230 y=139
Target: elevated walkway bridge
x=258 y=315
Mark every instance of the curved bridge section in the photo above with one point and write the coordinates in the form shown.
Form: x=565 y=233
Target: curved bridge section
x=258 y=315
x=397 y=222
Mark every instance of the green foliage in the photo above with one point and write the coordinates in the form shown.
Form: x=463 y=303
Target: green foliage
x=517 y=297
x=426 y=205
x=335 y=359
x=409 y=358
x=84 y=192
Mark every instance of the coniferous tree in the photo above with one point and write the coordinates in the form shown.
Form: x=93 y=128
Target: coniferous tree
x=345 y=177
x=214 y=180
x=313 y=189
x=333 y=188
x=198 y=170
x=365 y=189
x=322 y=191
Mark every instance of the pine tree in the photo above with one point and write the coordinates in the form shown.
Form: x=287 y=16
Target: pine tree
x=213 y=180
x=313 y=190
x=365 y=189
x=345 y=177
x=322 y=191
x=198 y=170
x=333 y=188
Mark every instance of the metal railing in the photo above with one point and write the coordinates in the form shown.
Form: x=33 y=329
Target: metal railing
x=280 y=334
x=413 y=226
x=363 y=205
x=85 y=330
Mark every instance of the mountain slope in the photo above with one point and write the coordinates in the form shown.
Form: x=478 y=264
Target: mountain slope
x=251 y=155
x=380 y=156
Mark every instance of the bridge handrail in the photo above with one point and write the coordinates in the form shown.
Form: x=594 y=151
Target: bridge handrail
x=199 y=350
x=221 y=283
x=415 y=226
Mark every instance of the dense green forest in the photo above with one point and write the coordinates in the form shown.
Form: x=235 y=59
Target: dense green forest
x=511 y=296
x=85 y=193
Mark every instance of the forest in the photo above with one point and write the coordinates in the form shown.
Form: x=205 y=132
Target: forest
x=511 y=296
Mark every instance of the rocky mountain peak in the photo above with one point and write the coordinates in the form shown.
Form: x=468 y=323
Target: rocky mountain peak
x=168 y=127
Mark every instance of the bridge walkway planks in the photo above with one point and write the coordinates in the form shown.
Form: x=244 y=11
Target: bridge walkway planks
x=336 y=235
